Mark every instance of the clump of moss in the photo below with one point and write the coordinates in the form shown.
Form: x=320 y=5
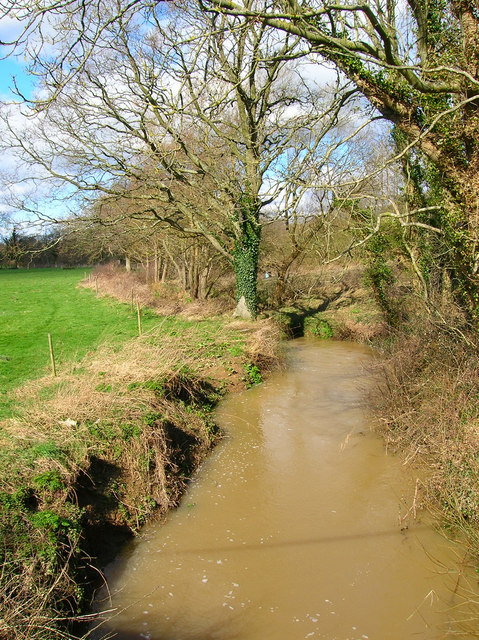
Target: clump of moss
x=318 y=327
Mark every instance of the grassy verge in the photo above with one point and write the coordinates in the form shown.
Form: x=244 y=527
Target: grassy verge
x=87 y=457
x=34 y=303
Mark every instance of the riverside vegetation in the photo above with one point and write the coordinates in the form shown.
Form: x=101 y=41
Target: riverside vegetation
x=199 y=198
x=426 y=399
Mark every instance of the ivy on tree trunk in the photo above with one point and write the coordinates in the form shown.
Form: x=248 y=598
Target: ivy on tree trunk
x=245 y=259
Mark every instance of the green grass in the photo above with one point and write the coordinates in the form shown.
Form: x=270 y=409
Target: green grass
x=36 y=302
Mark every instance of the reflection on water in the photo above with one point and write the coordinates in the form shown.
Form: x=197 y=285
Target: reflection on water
x=296 y=527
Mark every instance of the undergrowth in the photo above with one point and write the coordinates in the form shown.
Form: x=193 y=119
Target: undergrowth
x=428 y=408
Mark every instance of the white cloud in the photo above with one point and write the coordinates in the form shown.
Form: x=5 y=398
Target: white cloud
x=10 y=28
x=319 y=72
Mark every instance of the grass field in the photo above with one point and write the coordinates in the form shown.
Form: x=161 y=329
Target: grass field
x=36 y=302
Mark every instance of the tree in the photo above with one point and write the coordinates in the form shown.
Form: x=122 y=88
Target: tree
x=185 y=115
x=14 y=247
x=418 y=65
x=307 y=214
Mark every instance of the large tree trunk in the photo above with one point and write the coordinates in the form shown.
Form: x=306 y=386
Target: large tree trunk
x=246 y=271
x=246 y=264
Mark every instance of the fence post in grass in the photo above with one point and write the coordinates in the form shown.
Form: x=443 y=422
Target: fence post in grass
x=96 y=284
x=138 y=312
x=132 y=299
x=52 y=355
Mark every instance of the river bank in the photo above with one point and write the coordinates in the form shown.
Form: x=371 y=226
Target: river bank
x=425 y=403
x=95 y=454
x=298 y=525
x=427 y=410
x=90 y=455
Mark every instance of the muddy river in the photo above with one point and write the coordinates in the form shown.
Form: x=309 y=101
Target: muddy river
x=299 y=525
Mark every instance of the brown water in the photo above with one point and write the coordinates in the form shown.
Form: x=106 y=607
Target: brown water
x=293 y=528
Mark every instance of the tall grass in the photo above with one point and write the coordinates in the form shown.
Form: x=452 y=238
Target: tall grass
x=428 y=406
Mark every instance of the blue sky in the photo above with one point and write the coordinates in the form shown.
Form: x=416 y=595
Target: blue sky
x=10 y=67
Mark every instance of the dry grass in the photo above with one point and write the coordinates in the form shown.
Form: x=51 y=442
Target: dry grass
x=360 y=321
x=119 y=385
x=428 y=406
x=29 y=619
x=167 y=298
x=262 y=341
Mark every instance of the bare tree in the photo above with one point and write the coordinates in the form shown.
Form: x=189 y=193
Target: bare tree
x=187 y=115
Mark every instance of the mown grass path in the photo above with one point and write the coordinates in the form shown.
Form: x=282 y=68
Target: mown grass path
x=36 y=302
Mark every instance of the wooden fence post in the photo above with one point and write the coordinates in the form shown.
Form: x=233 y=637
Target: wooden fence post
x=139 y=317
x=52 y=356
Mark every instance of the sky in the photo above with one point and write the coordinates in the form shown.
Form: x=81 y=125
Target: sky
x=13 y=67
x=8 y=68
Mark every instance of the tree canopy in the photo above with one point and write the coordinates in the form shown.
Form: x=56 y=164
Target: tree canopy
x=182 y=117
x=418 y=65
x=415 y=62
